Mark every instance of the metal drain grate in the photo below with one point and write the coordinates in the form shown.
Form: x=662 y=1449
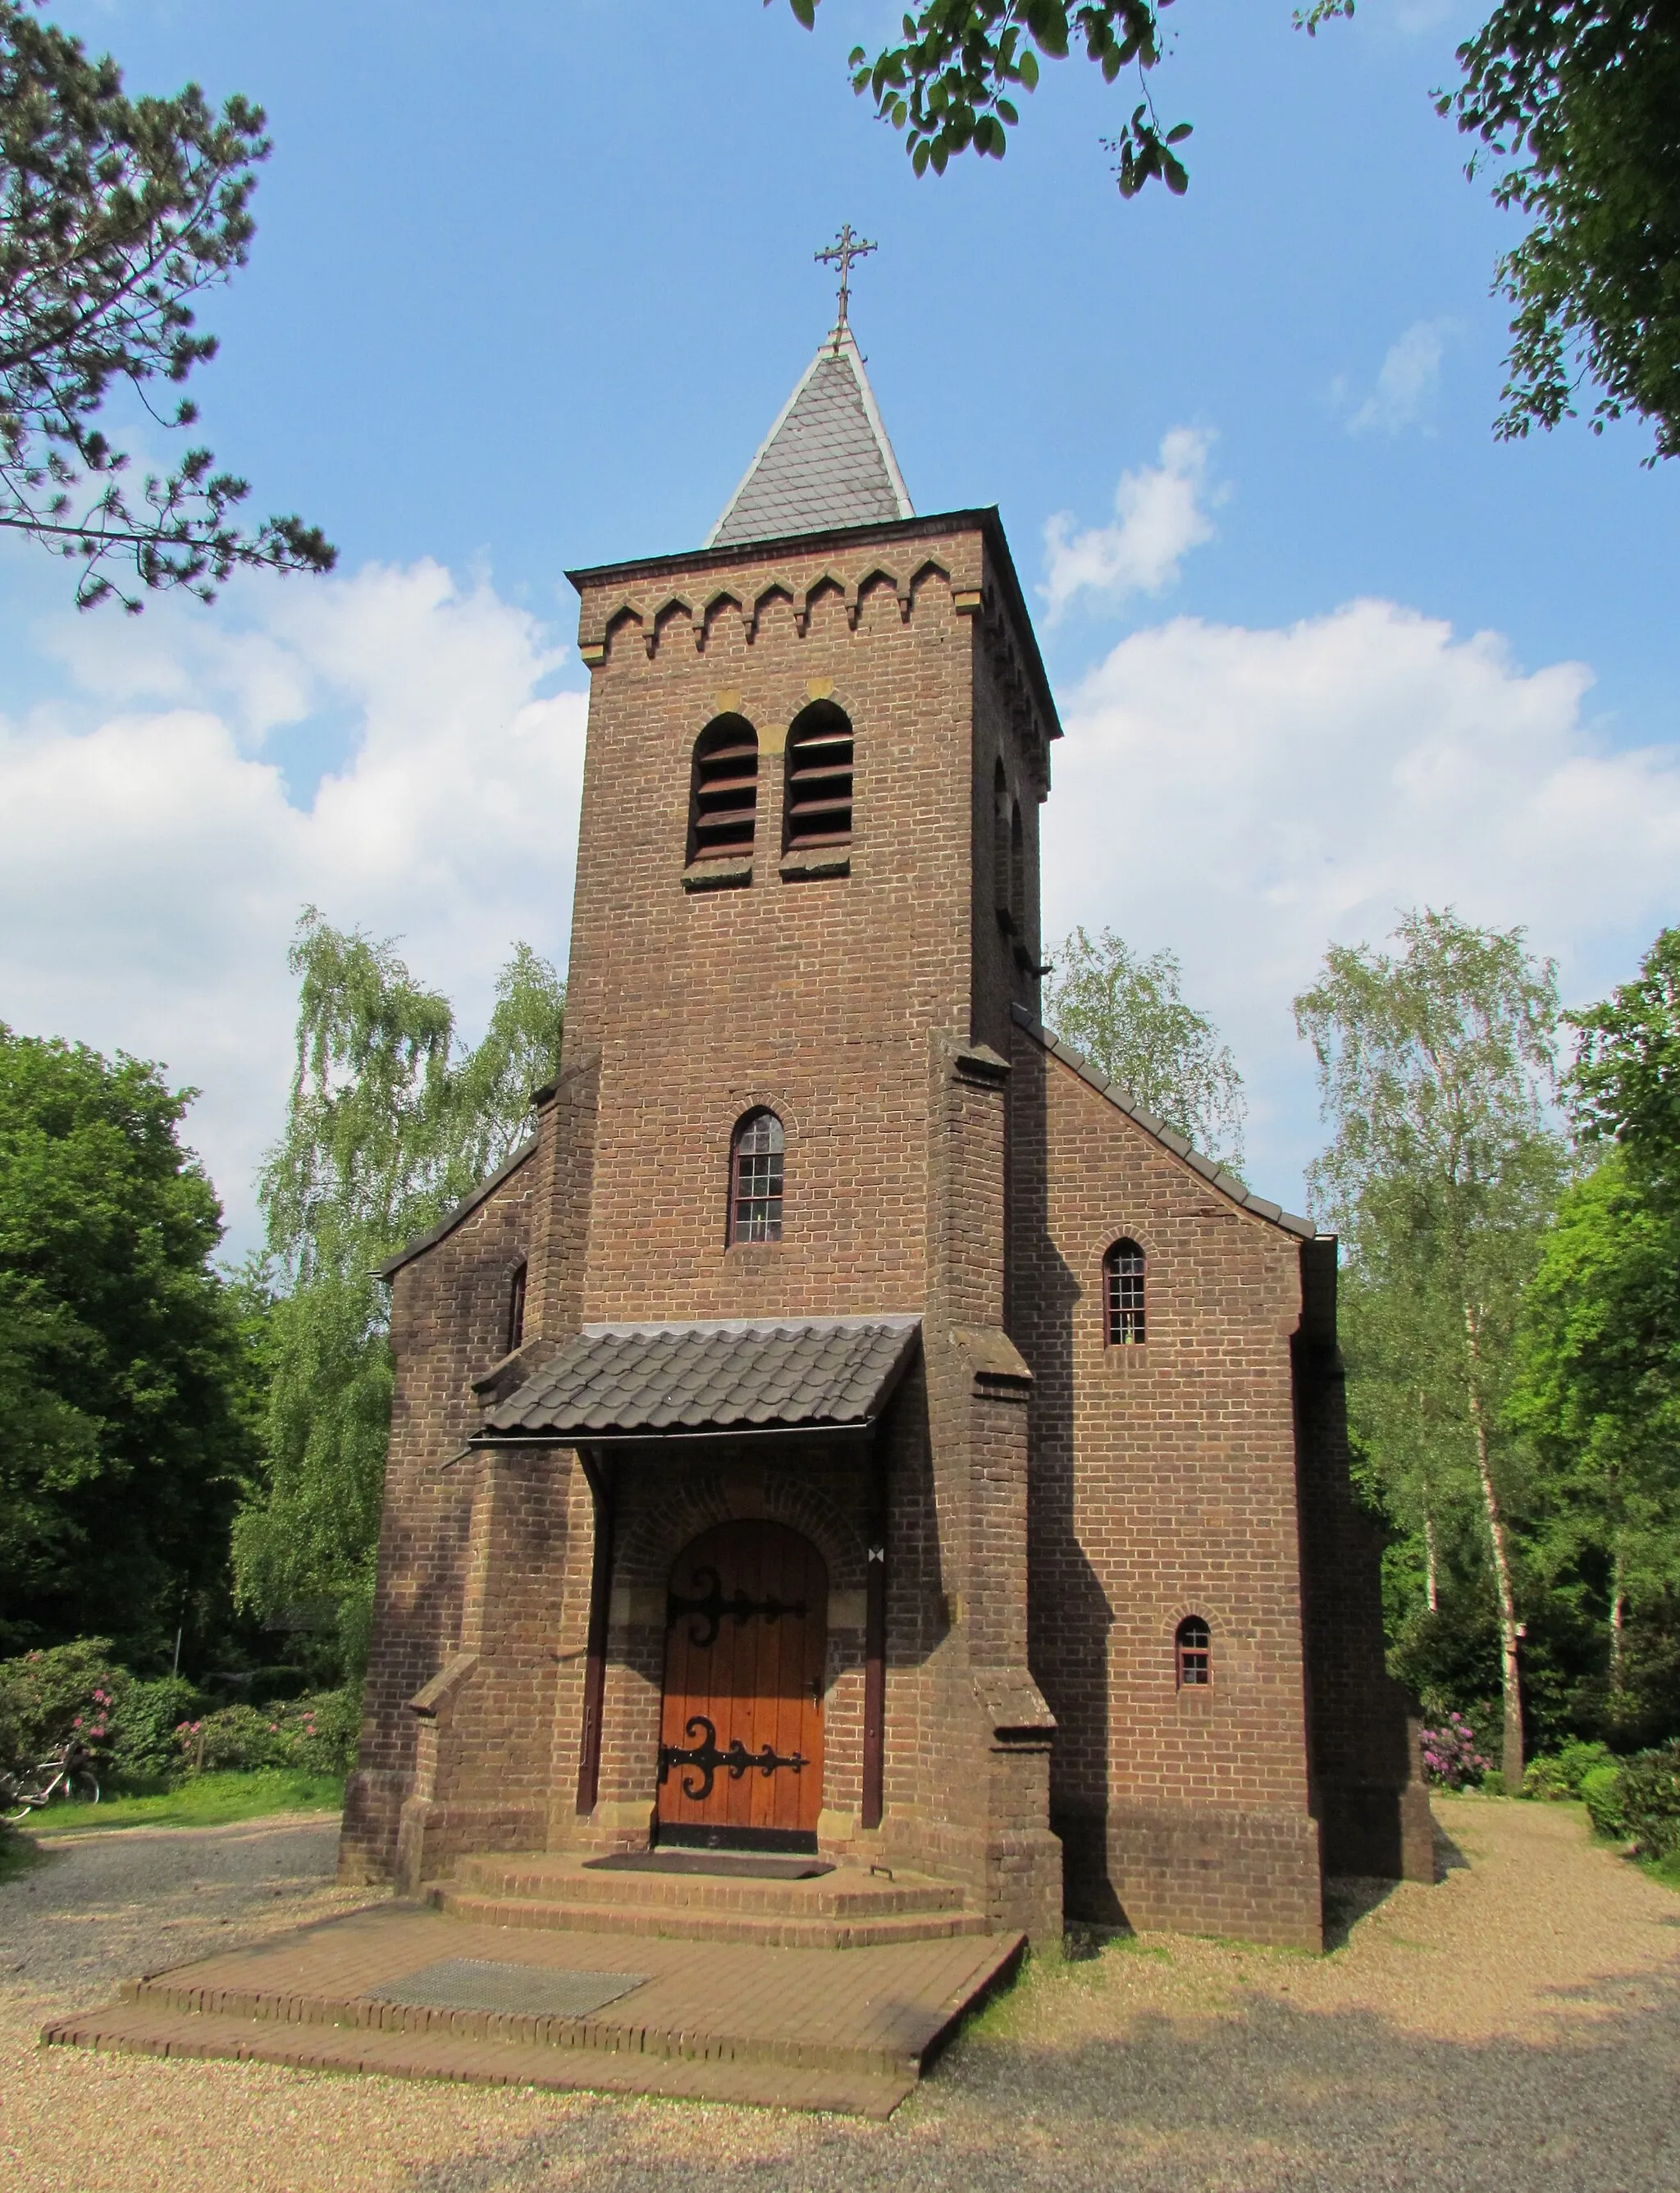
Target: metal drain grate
x=526 y=1990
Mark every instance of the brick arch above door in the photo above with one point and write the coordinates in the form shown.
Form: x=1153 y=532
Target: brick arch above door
x=699 y=1496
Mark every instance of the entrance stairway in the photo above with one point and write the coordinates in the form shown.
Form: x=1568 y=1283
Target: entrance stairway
x=850 y=1908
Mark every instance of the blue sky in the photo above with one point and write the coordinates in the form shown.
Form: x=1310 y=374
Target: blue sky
x=530 y=282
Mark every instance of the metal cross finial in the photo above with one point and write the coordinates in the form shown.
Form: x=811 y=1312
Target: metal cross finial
x=842 y=252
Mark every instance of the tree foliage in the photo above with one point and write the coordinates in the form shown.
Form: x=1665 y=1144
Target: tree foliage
x=947 y=84
x=1579 y=103
x=1625 y=1083
x=115 y=215
x=1598 y=1384
x=1596 y=1390
x=1126 y=1013
x=125 y=1386
x=1575 y=101
x=1435 y=1062
x=391 y=1122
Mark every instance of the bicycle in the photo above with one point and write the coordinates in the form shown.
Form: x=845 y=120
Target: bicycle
x=67 y=1777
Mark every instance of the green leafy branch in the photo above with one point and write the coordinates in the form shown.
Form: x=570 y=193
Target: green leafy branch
x=947 y=86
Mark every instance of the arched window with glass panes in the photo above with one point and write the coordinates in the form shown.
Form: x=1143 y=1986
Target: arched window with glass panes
x=1123 y=1295
x=755 y=1155
x=1193 y=1653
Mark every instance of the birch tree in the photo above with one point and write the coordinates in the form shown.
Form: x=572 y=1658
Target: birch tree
x=1436 y=1060
x=1127 y=1014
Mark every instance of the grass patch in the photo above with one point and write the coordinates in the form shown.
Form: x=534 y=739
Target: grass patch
x=1665 y=1869
x=207 y=1801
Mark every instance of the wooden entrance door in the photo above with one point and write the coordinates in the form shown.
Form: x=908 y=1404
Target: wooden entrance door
x=740 y=1735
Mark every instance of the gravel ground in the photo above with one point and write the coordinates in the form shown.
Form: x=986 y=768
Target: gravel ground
x=1516 y=2025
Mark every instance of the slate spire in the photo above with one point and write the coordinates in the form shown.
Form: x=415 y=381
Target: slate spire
x=826 y=463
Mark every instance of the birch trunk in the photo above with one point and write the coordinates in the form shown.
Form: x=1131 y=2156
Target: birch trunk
x=1511 y=1761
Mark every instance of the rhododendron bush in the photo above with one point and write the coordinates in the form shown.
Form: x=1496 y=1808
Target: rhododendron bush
x=317 y=1734
x=160 y=1730
x=1451 y=1757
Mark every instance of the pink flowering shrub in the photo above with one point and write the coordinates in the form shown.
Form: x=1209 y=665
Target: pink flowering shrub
x=317 y=1734
x=74 y=1690
x=79 y=1691
x=1451 y=1757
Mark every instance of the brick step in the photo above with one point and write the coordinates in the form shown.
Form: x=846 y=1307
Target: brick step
x=684 y=1922
x=150 y=2027
x=847 y=1892
x=614 y=2028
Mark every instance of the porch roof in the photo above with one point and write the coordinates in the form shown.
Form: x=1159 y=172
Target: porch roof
x=711 y=1375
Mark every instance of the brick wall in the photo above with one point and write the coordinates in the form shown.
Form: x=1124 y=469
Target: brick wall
x=1163 y=1485
x=448 y=1321
x=1052 y=1514
x=1369 y=1788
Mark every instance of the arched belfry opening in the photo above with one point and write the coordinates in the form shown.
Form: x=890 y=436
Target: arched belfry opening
x=724 y=791
x=820 y=749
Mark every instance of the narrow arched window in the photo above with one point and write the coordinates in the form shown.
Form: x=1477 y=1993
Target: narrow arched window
x=755 y=1178
x=1192 y=1649
x=515 y=1310
x=819 y=753
x=1017 y=870
x=1123 y=1295
x=1000 y=843
x=723 y=799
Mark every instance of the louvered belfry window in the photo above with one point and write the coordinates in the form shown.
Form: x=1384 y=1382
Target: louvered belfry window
x=756 y=1178
x=1123 y=1294
x=820 y=778
x=723 y=803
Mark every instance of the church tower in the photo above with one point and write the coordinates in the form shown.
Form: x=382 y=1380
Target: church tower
x=779 y=1419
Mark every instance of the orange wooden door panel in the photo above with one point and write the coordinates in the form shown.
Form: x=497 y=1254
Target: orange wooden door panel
x=745 y=1648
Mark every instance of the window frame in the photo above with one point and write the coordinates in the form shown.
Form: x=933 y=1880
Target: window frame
x=1193 y=1653
x=1125 y=1315
x=766 y=1229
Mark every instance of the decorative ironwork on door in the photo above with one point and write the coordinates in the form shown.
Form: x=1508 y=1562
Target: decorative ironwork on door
x=714 y=1606
x=741 y=1731
x=737 y=1760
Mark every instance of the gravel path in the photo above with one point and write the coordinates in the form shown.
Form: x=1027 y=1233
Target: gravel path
x=1516 y=2026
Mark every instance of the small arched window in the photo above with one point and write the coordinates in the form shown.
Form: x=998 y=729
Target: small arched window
x=1193 y=1651
x=1123 y=1295
x=724 y=799
x=515 y=1310
x=819 y=751
x=1017 y=870
x=756 y=1178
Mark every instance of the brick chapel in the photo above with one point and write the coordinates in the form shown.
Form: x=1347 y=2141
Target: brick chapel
x=851 y=1429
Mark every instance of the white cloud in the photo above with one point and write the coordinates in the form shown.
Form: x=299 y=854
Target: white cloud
x=1243 y=796
x=151 y=866
x=1407 y=382
x=1247 y=796
x=1162 y=510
